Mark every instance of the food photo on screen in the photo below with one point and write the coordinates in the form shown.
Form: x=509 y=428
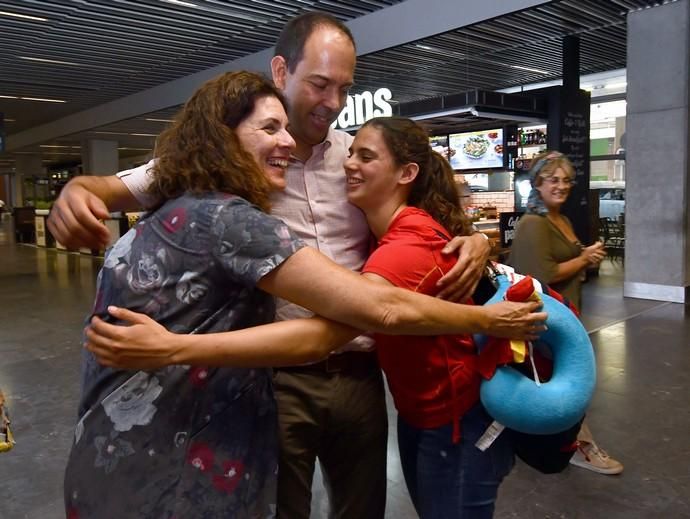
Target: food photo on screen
x=476 y=150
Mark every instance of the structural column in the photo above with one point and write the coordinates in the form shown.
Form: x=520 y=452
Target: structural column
x=99 y=157
x=26 y=166
x=657 y=253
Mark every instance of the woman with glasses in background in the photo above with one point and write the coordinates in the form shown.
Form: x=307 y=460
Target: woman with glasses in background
x=546 y=247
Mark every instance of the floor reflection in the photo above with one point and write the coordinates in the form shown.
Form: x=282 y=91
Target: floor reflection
x=639 y=412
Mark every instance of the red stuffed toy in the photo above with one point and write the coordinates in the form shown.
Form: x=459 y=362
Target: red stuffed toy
x=498 y=352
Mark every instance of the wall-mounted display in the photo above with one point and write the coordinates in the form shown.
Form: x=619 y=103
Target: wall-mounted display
x=476 y=150
x=439 y=143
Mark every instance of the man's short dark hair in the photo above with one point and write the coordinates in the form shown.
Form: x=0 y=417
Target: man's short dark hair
x=296 y=32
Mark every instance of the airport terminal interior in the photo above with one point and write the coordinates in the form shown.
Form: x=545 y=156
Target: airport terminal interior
x=639 y=413
x=87 y=86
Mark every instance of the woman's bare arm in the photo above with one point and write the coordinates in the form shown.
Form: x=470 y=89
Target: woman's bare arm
x=313 y=281
x=146 y=344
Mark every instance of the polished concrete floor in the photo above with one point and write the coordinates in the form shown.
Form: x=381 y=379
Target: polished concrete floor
x=640 y=414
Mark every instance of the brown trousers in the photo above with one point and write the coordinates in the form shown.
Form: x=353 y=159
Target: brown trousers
x=340 y=418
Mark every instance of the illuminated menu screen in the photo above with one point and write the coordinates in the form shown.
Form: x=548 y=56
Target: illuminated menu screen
x=476 y=150
x=439 y=143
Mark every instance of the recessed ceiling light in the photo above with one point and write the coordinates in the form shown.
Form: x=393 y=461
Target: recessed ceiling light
x=43 y=99
x=135 y=149
x=179 y=2
x=528 y=69
x=9 y=97
x=159 y=120
x=125 y=133
x=24 y=16
x=45 y=60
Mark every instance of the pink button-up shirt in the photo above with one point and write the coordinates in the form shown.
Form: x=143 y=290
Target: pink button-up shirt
x=314 y=204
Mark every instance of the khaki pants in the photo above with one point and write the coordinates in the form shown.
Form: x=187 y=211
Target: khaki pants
x=339 y=417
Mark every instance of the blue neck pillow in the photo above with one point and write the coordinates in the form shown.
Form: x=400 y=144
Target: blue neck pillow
x=516 y=400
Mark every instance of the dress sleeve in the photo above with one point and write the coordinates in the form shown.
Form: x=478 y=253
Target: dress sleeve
x=532 y=250
x=137 y=181
x=248 y=243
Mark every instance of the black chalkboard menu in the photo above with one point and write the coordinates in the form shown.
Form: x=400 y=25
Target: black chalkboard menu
x=568 y=133
x=507 y=222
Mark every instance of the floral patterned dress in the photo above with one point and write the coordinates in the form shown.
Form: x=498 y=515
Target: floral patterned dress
x=182 y=442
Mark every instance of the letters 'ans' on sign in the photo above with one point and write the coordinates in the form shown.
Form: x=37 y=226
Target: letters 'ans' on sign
x=362 y=107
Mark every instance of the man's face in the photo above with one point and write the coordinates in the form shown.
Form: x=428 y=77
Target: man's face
x=317 y=90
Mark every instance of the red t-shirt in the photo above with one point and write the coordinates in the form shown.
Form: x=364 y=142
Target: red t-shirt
x=433 y=380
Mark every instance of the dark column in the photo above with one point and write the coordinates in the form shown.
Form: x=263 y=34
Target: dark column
x=568 y=132
x=571 y=63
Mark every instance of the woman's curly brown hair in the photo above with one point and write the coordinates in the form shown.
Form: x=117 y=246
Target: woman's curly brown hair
x=201 y=152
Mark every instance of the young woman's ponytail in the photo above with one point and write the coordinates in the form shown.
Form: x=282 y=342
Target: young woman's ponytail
x=437 y=194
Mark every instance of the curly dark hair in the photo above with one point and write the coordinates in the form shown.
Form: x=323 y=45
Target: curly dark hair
x=201 y=152
x=434 y=189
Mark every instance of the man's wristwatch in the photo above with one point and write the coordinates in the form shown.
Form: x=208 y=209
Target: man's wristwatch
x=474 y=228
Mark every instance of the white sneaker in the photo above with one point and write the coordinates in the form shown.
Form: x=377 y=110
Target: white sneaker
x=589 y=456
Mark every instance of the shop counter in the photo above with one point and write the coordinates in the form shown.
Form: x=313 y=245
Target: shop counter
x=43 y=236
x=489 y=227
x=486 y=224
x=118 y=225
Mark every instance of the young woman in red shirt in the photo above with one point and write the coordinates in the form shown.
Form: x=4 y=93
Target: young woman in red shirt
x=409 y=197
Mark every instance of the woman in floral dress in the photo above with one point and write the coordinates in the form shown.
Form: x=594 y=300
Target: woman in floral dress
x=184 y=442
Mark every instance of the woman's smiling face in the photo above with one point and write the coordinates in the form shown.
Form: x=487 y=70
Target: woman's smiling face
x=371 y=170
x=554 y=189
x=263 y=133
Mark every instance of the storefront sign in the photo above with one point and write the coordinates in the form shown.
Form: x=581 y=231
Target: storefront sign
x=362 y=107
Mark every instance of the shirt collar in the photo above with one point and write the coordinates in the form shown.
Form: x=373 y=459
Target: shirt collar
x=321 y=147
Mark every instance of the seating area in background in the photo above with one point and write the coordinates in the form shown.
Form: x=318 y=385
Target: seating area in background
x=612 y=233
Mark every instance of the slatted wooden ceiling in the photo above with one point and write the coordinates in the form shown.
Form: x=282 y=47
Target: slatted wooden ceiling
x=113 y=48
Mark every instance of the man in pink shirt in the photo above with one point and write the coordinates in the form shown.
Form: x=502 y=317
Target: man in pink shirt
x=333 y=410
